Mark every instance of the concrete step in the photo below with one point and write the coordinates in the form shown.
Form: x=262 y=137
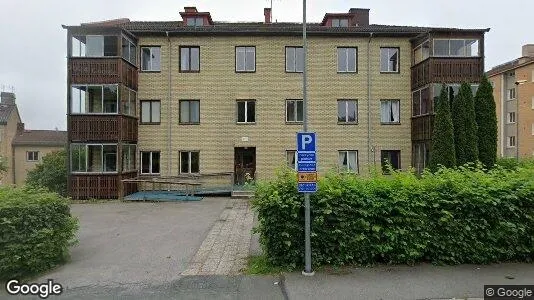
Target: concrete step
x=242 y=194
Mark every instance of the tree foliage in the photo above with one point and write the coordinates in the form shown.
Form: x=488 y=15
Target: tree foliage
x=443 y=151
x=51 y=173
x=486 y=118
x=465 y=126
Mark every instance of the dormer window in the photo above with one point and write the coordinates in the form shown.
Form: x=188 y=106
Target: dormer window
x=340 y=22
x=195 y=21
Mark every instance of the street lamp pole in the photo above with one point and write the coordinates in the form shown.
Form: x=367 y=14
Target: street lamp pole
x=307 y=219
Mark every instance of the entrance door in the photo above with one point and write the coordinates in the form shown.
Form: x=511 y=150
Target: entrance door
x=244 y=164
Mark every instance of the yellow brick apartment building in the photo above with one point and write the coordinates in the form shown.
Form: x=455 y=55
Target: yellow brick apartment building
x=196 y=96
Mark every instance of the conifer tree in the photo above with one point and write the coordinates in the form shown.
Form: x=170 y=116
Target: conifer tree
x=443 y=151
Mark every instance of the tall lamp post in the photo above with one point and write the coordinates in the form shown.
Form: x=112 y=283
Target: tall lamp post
x=517 y=83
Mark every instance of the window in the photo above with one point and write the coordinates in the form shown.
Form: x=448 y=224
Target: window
x=421 y=104
x=128 y=157
x=389 y=60
x=97 y=99
x=189 y=162
x=421 y=153
x=195 y=21
x=511 y=141
x=346 y=59
x=456 y=47
x=128 y=50
x=390 y=111
x=32 y=155
x=294 y=59
x=150 y=111
x=390 y=157
x=511 y=117
x=347 y=111
x=150 y=162
x=151 y=59
x=421 y=52
x=189 y=111
x=511 y=94
x=189 y=59
x=337 y=22
x=129 y=101
x=94 y=46
x=291 y=159
x=245 y=59
x=246 y=111
x=93 y=158
x=348 y=161
x=294 y=111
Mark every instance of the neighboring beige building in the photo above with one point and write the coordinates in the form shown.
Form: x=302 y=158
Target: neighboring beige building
x=199 y=97
x=23 y=149
x=29 y=147
x=513 y=90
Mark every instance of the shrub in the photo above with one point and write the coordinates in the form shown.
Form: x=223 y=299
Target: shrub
x=443 y=150
x=454 y=216
x=465 y=126
x=486 y=117
x=36 y=230
x=51 y=173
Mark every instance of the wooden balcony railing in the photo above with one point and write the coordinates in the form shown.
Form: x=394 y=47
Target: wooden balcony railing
x=102 y=71
x=99 y=186
x=86 y=128
x=446 y=70
x=422 y=127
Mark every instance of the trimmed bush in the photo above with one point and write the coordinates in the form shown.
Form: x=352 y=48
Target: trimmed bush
x=36 y=230
x=454 y=216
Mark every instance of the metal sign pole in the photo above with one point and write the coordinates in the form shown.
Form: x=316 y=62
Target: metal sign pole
x=307 y=243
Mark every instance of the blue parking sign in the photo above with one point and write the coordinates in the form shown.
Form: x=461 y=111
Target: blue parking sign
x=306 y=142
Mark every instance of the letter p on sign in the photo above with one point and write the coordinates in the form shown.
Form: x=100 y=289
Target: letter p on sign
x=306 y=141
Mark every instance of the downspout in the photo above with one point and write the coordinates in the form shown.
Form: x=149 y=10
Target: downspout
x=369 y=100
x=169 y=161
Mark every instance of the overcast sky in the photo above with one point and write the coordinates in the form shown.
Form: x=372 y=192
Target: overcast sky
x=33 y=44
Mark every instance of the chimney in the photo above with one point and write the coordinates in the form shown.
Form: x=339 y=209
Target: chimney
x=528 y=50
x=267 y=14
x=190 y=9
x=7 y=98
x=359 y=16
x=20 y=128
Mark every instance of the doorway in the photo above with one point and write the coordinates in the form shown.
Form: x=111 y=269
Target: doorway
x=244 y=164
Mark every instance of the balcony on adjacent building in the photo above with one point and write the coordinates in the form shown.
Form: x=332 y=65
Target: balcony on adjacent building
x=85 y=128
x=102 y=70
x=447 y=70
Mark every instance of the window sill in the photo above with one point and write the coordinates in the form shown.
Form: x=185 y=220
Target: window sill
x=149 y=123
x=189 y=71
x=150 y=71
x=294 y=123
x=389 y=72
x=189 y=123
x=347 y=123
x=424 y=115
x=390 y=123
x=347 y=72
x=245 y=71
x=245 y=123
x=94 y=173
x=149 y=174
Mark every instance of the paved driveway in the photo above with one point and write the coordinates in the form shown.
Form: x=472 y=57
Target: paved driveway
x=135 y=244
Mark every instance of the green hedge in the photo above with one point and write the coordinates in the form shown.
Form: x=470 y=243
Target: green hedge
x=456 y=216
x=36 y=230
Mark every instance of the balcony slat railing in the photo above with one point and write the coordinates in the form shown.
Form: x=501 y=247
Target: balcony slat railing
x=446 y=70
x=102 y=71
x=86 y=128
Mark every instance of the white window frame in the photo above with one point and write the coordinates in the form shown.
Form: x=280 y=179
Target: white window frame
x=244 y=51
x=130 y=43
x=346 y=67
x=295 y=113
x=336 y=22
x=141 y=121
x=196 y=22
x=102 y=97
x=341 y=167
x=32 y=156
x=151 y=68
x=295 y=167
x=347 y=111
x=130 y=157
x=295 y=59
x=150 y=162
x=246 y=101
x=449 y=47
x=511 y=141
x=422 y=58
x=511 y=117
x=131 y=103
x=391 y=101
x=101 y=157
x=189 y=161
x=511 y=94
x=397 y=66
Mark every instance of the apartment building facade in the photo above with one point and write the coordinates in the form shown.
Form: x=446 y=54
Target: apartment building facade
x=198 y=96
x=513 y=91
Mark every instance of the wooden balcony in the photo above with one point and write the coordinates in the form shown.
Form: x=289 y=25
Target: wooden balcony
x=99 y=186
x=102 y=128
x=102 y=70
x=447 y=70
x=422 y=128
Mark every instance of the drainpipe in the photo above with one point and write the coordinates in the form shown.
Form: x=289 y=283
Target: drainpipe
x=169 y=161
x=369 y=99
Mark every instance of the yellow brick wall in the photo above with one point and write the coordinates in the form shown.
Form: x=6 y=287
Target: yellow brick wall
x=218 y=86
x=23 y=166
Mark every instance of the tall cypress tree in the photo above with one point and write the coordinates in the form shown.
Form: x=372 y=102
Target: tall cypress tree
x=486 y=118
x=465 y=126
x=443 y=151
